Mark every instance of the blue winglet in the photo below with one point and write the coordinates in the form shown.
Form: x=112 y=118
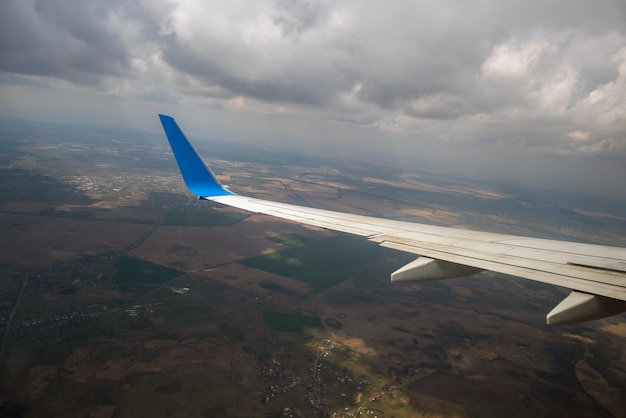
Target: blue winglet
x=198 y=177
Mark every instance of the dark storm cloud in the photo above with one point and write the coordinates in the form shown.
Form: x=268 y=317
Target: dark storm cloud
x=322 y=61
x=293 y=86
x=66 y=39
x=295 y=16
x=550 y=75
x=394 y=52
x=424 y=59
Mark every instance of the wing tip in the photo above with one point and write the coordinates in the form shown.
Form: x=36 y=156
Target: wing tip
x=198 y=177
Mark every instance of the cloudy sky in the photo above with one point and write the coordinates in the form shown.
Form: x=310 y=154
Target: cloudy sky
x=531 y=91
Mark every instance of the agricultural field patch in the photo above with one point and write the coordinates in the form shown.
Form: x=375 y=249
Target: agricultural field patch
x=292 y=240
x=139 y=276
x=321 y=264
x=207 y=218
x=293 y=323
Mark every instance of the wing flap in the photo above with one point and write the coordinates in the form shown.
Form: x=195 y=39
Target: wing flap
x=602 y=264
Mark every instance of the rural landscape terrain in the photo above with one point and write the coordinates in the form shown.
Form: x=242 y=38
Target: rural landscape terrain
x=122 y=295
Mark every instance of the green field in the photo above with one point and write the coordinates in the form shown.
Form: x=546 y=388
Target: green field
x=202 y=219
x=321 y=264
x=191 y=314
x=294 y=323
x=262 y=357
x=199 y=390
x=292 y=240
x=140 y=276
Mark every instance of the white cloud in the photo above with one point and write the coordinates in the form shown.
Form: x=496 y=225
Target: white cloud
x=608 y=147
x=604 y=109
x=579 y=135
x=553 y=94
x=514 y=59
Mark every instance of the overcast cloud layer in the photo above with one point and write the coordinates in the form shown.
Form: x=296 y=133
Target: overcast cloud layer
x=526 y=77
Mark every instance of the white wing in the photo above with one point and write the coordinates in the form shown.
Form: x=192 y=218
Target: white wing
x=597 y=274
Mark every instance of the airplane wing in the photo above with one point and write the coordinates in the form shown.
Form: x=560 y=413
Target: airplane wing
x=596 y=273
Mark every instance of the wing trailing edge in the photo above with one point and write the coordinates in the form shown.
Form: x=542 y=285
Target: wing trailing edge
x=596 y=273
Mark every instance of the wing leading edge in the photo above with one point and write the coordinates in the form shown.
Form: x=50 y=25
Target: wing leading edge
x=595 y=273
